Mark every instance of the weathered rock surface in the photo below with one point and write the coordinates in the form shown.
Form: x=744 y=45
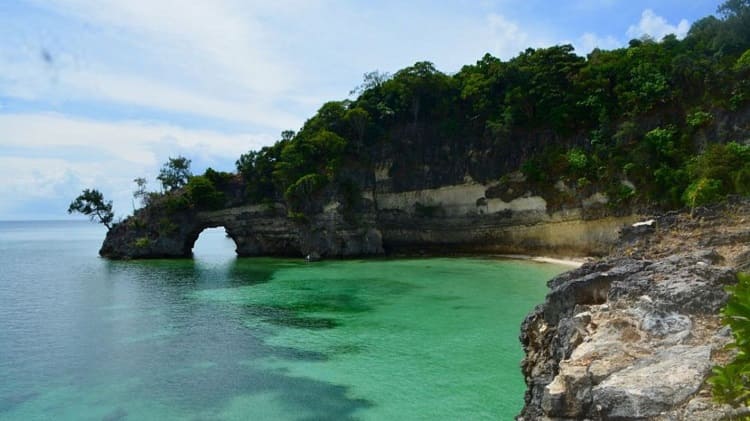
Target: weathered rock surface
x=450 y=219
x=635 y=335
x=257 y=230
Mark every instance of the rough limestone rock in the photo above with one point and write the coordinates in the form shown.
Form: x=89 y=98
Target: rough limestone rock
x=624 y=339
x=654 y=385
x=257 y=230
x=635 y=335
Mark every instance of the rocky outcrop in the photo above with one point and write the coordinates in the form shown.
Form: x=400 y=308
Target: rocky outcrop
x=634 y=336
x=492 y=218
x=257 y=230
x=465 y=218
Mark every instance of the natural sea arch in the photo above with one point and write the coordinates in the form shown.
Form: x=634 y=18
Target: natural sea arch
x=214 y=241
x=255 y=231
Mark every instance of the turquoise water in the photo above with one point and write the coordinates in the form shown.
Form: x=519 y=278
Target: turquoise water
x=221 y=338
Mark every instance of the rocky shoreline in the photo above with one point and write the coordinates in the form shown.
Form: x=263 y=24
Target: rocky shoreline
x=634 y=336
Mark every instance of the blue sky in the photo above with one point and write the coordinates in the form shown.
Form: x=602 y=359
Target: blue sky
x=94 y=93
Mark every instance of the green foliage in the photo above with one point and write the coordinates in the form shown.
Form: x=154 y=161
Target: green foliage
x=628 y=114
x=577 y=160
x=142 y=242
x=583 y=182
x=742 y=181
x=660 y=143
x=219 y=179
x=302 y=189
x=670 y=183
x=358 y=119
x=91 y=203
x=320 y=153
x=167 y=227
x=743 y=63
x=298 y=217
x=620 y=194
x=203 y=193
x=175 y=202
x=728 y=164
x=698 y=119
x=257 y=168
x=140 y=193
x=532 y=170
x=175 y=173
x=701 y=192
x=731 y=383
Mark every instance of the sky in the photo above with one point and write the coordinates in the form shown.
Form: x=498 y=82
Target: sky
x=94 y=93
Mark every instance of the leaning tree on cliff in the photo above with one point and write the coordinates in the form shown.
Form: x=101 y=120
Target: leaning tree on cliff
x=91 y=203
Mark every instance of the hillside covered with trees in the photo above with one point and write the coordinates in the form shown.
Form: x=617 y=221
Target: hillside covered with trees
x=652 y=123
x=657 y=124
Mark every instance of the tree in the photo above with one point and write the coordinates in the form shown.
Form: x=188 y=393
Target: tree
x=204 y=194
x=140 y=193
x=175 y=173
x=419 y=86
x=357 y=118
x=91 y=203
x=321 y=153
x=257 y=167
x=701 y=192
x=371 y=80
x=732 y=8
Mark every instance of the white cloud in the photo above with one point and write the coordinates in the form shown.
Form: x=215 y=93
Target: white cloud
x=218 y=60
x=27 y=80
x=257 y=67
x=229 y=36
x=134 y=90
x=51 y=156
x=508 y=38
x=589 y=41
x=657 y=27
x=130 y=141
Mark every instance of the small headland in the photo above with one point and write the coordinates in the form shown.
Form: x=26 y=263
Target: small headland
x=634 y=336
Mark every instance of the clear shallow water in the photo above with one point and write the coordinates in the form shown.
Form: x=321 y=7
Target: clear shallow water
x=221 y=338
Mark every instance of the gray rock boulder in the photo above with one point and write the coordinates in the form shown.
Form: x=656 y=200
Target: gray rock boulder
x=625 y=339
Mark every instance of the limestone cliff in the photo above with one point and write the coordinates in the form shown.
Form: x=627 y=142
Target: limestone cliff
x=257 y=230
x=634 y=336
x=416 y=188
x=466 y=217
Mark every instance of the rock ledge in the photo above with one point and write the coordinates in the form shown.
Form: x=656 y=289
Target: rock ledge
x=635 y=335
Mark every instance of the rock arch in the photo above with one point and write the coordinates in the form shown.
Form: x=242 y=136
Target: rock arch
x=257 y=230
x=193 y=237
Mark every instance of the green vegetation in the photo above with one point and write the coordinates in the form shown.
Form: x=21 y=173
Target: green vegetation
x=644 y=124
x=175 y=173
x=91 y=203
x=731 y=383
x=142 y=242
x=203 y=194
x=141 y=193
x=607 y=122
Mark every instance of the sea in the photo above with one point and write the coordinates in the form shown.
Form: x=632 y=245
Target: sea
x=218 y=337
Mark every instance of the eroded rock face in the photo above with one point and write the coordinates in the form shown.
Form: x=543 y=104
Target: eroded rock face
x=257 y=230
x=625 y=339
x=449 y=219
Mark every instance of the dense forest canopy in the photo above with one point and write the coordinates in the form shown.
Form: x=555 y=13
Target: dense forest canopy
x=638 y=124
x=623 y=121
